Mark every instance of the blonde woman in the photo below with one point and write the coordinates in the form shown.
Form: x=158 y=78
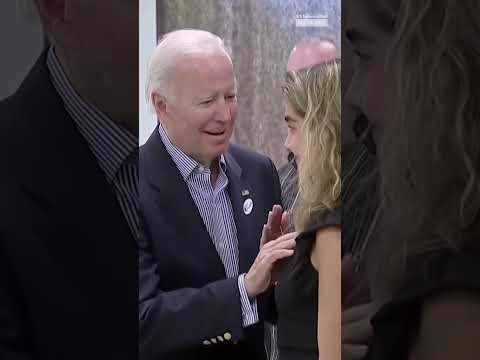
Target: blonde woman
x=416 y=80
x=307 y=294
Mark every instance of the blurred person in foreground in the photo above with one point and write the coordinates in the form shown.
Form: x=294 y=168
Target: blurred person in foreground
x=68 y=215
x=423 y=126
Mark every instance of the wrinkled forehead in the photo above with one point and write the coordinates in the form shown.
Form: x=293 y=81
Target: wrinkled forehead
x=215 y=63
x=205 y=72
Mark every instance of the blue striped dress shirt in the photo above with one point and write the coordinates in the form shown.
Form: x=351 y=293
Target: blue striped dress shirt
x=114 y=147
x=216 y=211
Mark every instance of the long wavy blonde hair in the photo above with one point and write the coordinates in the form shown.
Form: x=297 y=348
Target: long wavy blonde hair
x=429 y=156
x=315 y=94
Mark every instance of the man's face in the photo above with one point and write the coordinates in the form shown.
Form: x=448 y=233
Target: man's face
x=100 y=42
x=200 y=116
x=368 y=30
x=294 y=136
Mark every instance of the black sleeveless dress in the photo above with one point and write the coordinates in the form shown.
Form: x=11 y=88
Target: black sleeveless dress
x=296 y=297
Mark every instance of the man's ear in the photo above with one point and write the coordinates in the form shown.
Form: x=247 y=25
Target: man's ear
x=160 y=104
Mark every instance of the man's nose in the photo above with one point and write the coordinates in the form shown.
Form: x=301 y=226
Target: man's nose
x=223 y=110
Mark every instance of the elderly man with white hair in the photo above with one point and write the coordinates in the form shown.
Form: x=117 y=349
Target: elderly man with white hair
x=204 y=283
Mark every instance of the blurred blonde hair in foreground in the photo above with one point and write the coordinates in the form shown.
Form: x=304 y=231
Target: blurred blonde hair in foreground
x=315 y=94
x=429 y=156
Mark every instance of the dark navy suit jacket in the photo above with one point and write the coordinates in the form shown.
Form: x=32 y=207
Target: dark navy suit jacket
x=185 y=297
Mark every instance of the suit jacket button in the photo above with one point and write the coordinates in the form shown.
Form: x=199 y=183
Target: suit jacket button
x=206 y=342
x=227 y=336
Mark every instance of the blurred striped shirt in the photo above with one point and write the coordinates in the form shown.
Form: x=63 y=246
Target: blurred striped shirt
x=114 y=147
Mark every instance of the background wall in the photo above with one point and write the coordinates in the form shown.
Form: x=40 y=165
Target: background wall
x=260 y=34
x=147 y=41
x=21 y=39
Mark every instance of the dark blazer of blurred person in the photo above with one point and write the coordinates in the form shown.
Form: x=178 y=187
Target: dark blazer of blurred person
x=68 y=221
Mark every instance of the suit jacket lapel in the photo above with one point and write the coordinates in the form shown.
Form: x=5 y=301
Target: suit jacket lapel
x=62 y=175
x=174 y=199
x=247 y=246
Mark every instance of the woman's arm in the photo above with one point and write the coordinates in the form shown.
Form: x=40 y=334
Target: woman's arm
x=326 y=258
x=449 y=327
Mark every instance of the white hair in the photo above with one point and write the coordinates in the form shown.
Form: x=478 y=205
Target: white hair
x=161 y=66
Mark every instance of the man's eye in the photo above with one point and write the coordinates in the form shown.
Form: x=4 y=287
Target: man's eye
x=206 y=102
x=231 y=97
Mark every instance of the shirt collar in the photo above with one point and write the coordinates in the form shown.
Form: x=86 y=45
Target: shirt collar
x=185 y=163
x=110 y=143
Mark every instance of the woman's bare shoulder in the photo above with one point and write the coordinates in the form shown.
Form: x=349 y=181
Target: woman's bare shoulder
x=449 y=326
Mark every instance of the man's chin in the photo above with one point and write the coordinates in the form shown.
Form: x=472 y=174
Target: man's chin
x=218 y=149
